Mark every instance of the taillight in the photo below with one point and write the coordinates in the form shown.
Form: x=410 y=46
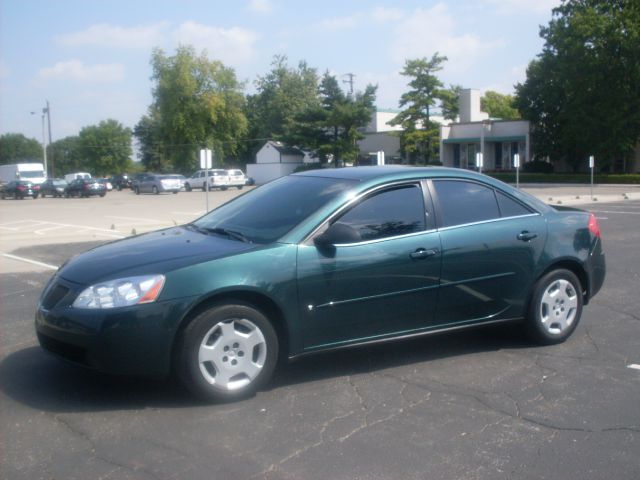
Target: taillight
x=593 y=225
x=22 y=188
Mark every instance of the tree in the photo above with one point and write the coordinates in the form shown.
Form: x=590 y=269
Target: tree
x=106 y=147
x=16 y=148
x=498 y=105
x=199 y=103
x=151 y=149
x=282 y=95
x=69 y=156
x=582 y=92
x=450 y=102
x=420 y=134
x=331 y=127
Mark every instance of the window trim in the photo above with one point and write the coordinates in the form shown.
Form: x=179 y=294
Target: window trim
x=430 y=225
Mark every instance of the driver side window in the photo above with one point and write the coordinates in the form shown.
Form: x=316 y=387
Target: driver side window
x=390 y=213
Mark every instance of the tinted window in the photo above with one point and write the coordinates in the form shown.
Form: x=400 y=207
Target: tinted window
x=509 y=207
x=387 y=214
x=465 y=202
x=268 y=212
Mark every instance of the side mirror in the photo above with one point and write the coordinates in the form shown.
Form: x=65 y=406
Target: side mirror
x=336 y=234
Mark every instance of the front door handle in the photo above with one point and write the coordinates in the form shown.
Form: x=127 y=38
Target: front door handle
x=526 y=236
x=421 y=253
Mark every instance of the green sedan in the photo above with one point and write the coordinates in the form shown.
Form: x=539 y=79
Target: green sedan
x=321 y=260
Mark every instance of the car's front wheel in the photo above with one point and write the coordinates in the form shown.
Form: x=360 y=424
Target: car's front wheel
x=187 y=187
x=555 y=308
x=227 y=352
x=155 y=190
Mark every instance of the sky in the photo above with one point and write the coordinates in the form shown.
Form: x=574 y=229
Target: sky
x=90 y=58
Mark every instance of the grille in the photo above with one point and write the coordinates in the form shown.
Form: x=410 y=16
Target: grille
x=54 y=295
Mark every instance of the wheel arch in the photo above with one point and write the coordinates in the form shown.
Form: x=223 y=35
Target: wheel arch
x=257 y=300
x=573 y=266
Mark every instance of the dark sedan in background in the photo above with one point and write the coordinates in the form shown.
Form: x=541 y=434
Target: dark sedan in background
x=19 y=189
x=82 y=187
x=54 y=187
x=323 y=260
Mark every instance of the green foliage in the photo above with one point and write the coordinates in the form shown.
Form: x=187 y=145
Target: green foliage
x=449 y=99
x=152 y=152
x=105 y=148
x=16 y=148
x=331 y=128
x=581 y=93
x=585 y=178
x=420 y=137
x=68 y=156
x=199 y=103
x=538 y=166
x=498 y=105
x=282 y=95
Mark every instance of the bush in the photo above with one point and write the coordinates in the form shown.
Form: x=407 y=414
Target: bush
x=538 y=166
x=308 y=166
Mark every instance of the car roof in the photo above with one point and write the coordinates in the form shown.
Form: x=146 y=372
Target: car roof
x=388 y=172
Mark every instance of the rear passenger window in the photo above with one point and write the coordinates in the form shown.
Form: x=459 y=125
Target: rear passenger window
x=509 y=207
x=465 y=202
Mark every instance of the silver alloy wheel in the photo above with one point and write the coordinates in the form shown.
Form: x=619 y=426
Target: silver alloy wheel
x=558 y=306
x=232 y=354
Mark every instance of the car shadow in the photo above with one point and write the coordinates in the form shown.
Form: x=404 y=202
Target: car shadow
x=34 y=378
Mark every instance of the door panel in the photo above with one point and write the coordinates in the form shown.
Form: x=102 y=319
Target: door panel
x=368 y=290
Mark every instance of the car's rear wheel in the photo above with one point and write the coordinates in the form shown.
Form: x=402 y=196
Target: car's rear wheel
x=239 y=187
x=155 y=190
x=555 y=308
x=136 y=190
x=227 y=352
x=187 y=187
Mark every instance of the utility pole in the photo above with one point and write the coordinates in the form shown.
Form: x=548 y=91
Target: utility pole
x=47 y=110
x=350 y=82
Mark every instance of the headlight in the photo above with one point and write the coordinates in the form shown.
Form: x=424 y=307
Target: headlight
x=122 y=292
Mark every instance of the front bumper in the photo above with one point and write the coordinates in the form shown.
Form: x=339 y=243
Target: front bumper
x=135 y=340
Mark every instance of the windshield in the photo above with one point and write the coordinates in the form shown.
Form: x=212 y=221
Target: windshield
x=268 y=212
x=32 y=174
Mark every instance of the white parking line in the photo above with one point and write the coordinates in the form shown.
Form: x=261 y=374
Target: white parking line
x=28 y=260
x=634 y=366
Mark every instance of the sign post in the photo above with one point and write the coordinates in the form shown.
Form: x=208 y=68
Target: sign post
x=205 y=164
x=479 y=161
x=592 y=163
x=516 y=164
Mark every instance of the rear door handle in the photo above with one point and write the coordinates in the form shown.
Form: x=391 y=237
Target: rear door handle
x=421 y=254
x=526 y=236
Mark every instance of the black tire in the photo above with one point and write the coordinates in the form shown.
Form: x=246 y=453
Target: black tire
x=175 y=193
x=204 y=187
x=102 y=194
x=555 y=308
x=187 y=187
x=232 y=358
x=155 y=190
x=66 y=194
x=223 y=188
x=240 y=187
x=136 y=190
x=119 y=188
x=35 y=195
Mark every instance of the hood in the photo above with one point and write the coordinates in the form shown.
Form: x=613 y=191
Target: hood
x=156 y=252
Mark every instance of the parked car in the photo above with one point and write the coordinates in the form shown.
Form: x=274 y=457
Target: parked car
x=121 y=181
x=156 y=183
x=106 y=182
x=19 y=189
x=321 y=260
x=217 y=179
x=182 y=179
x=236 y=178
x=250 y=181
x=82 y=187
x=53 y=186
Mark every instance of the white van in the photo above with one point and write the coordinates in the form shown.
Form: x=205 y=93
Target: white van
x=70 y=177
x=30 y=172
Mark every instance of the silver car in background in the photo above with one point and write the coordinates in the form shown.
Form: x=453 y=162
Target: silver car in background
x=217 y=179
x=156 y=183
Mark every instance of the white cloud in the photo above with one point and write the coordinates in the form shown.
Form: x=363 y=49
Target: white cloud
x=523 y=6
x=75 y=70
x=106 y=35
x=339 y=23
x=230 y=45
x=425 y=32
x=384 y=15
x=260 y=6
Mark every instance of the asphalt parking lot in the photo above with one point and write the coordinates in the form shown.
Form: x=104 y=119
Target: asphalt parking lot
x=482 y=404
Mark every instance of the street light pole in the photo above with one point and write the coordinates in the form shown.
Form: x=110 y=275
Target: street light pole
x=44 y=143
x=48 y=112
